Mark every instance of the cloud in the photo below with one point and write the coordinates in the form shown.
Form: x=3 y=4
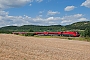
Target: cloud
x=4 y=4
x=49 y=0
x=69 y=8
x=40 y=15
x=73 y=18
x=7 y=20
x=86 y=3
x=30 y=4
x=52 y=12
x=3 y=13
x=82 y=19
x=13 y=3
x=50 y=18
x=41 y=12
x=39 y=0
x=53 y=18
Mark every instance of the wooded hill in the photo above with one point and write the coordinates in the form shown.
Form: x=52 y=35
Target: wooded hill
x=33 y=28
x=79 y=25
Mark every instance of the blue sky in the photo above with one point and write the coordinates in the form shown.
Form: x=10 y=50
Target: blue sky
x=43 y=12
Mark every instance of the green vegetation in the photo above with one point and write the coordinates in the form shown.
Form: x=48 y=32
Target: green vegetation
x=29 y=34
x=33 y=28
x=79 y=38
x=87 y=32
x=79 y=26
x=82 y=27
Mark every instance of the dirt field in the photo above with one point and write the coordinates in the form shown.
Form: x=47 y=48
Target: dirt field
x=14 y=47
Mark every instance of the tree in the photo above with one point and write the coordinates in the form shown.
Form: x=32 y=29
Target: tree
x=87 y=32
x=31 y=30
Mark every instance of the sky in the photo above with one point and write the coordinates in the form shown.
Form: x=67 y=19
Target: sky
x=43 y=12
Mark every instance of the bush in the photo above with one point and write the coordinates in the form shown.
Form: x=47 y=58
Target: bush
x=6 y=32
x=29 y=34
x=87 y=32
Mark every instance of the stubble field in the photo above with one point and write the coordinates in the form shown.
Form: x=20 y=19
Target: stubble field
x=14 y=47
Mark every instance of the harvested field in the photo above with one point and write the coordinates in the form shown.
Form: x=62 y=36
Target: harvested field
x=14 y=47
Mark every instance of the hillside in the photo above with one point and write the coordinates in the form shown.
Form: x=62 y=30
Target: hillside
x=79 y=25
x=30 y=28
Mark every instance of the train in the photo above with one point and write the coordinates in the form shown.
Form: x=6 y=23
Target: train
x=62 y=33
